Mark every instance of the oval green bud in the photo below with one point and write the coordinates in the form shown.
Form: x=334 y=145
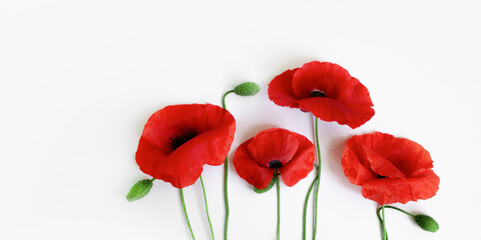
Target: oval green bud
x=247 y=89
x=139 y=189
x=426 y=222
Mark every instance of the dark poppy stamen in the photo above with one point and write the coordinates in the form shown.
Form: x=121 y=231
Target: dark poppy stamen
x=380 y=176
x=181 y=138
x=317 y=93
x=275 y=164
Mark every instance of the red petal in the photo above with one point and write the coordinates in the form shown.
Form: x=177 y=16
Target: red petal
x=280 y=90
x=353 y=168
x=248 y=169
x=330 y=78
x=181 y=167
x=170 y=169
x=413 y=159
x=388 y=191
x=408 y=156
x=355 y=95
x=149 y=155
x=301 y=164
x=329 y=110
x=381 y=165
x=273 y=144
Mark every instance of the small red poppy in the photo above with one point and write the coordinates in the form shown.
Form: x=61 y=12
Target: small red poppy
x=325 y=89
x=178 y=140
x=274 y=150
x=389 y=169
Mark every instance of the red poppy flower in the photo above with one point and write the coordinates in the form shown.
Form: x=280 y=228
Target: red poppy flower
x=389 y=169
x=274 y=150
x=325 y=89
x=178 y=140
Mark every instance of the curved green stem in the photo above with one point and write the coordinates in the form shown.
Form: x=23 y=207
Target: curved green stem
x=278 y=209
x=206 y=207
x=383 y=223
x=223 y=97
x=304 y=215
x=407 y=213
x=226 y=180
x=378 y=214
x=316 y=193
x=185 y=213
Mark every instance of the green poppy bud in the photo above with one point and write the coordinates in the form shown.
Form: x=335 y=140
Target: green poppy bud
x=247 y=89
x=139 y=189
x=426 y=222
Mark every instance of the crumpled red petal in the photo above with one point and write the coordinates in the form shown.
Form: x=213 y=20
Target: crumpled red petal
x=181 y=167
x=388 y=191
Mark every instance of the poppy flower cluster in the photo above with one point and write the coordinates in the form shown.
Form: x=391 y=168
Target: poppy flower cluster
x=178 y=140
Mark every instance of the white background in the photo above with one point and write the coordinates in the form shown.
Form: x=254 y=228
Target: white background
x=79 y=79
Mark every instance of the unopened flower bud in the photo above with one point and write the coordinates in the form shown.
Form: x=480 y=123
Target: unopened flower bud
x=247 y=89
x=427 y=223
x=140 y=189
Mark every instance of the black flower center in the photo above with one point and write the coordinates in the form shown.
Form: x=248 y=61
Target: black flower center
x=275 y=164
x=318 y=93
x=380 y=176
x=181 y=138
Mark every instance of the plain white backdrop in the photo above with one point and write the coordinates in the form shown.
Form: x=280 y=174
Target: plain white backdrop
x=79 y=79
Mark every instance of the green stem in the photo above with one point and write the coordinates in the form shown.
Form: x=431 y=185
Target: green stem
x=226 y=180
x=206 y=207
x=278 y=209
x=316 y=193
x=381 y=208
x=185 y=212
x=304 y=215
x=407 y=213
x=223 y=97
x=226 y=197
x=383 y=224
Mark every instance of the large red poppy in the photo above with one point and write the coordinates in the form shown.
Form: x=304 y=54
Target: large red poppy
x=325 y=89
x=178 y=140
x=389 y=169
x=274 y=151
